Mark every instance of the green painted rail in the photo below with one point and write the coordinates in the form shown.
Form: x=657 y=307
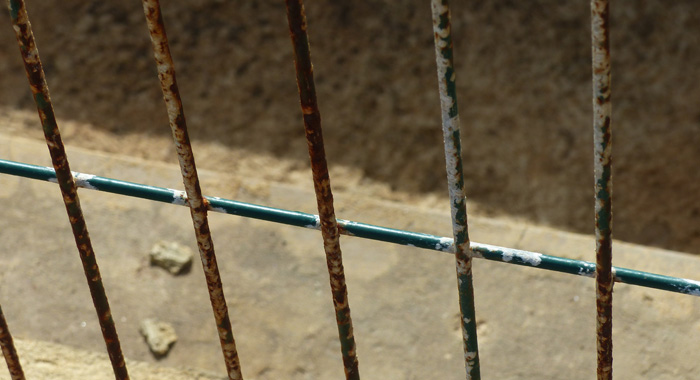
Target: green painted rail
x=361 y=230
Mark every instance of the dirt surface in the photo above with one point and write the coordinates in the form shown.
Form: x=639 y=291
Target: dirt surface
x=524 y=86
x=532 y=324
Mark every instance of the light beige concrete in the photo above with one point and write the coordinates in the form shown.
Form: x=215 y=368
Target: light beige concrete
x=532 y=323
x=45 y=360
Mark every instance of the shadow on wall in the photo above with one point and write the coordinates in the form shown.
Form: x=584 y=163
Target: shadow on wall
x=523 y=74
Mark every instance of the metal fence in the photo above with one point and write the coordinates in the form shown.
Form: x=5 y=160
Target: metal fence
x=331 y=228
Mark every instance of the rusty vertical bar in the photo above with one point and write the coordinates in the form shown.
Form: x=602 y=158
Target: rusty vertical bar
x=602 y=141
x=455 y=180
x=197 y=203
x=324 y=197
x=9 y=351
x=40 y=91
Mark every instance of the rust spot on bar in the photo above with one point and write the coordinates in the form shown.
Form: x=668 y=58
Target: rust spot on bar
x=9 y=351
x=322 y=187
x=40 y=91
x=198 y=205
x=602 y=140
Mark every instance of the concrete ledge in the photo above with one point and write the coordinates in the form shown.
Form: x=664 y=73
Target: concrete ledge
x=532 y=323
x=44 y=361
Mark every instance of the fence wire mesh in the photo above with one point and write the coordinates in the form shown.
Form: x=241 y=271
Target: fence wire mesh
x=331 y=228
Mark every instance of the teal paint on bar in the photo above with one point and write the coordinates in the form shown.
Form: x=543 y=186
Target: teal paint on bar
x=14 y=9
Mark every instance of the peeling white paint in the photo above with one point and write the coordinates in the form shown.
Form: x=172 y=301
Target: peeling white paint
x=179 y=197
x=531 y=258
x=693 y=288
x=317 y=223
x=82 y=180
x=508 y=254
x=586 y=273
x=462 y=268
x=219 y=209
x=445 y=245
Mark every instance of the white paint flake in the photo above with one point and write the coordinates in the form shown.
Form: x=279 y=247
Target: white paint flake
x=317 y=223
x=693 y=288
x=83 y=180
x=80 y=179
x=508 y=254
x=179 y=197
x=445 y=245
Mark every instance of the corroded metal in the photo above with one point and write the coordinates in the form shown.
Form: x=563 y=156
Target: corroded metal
x=360 y=230
x=40 y=91
x=9 y=351
x=324 y=197
x=455 y=183
x=195 y=200
x=602 y=141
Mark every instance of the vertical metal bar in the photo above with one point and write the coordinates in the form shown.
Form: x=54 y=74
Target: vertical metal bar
x=324 y=198
x=40 y=91
x=197 y=203
x=9 y=351
x=455 y=180
x=602 y=141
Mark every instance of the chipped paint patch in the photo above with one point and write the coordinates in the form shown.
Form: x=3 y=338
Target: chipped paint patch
x=587 y=272
x=316 y=225
x=692 y=288
x=445 y=245
x=83 y=180
x=509 y=254
x=179 y=197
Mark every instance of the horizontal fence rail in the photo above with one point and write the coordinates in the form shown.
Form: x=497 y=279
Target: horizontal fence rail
x=362 y=230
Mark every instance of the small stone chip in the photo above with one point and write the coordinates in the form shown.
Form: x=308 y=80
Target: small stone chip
x=173 y=257
x=160 y=336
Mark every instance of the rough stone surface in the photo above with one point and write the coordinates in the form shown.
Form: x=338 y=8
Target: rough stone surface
x=532 y=324
x=171 y=256
x=160 y=336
